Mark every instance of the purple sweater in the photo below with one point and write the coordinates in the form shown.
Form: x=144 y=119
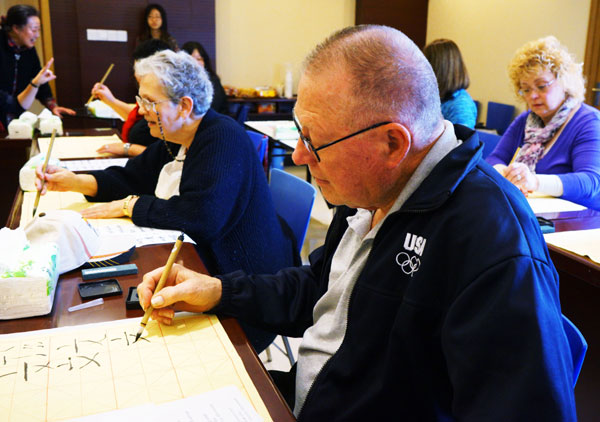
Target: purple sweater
x=574 y=157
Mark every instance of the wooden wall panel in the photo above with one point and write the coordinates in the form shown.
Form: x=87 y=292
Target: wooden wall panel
x=65 y=46
x=193 y=20
x=96 y=56
x=80 y=63
x=408 y=16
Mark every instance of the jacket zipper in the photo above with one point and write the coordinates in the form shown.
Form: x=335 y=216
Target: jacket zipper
x=414 y=211
x=329 y=360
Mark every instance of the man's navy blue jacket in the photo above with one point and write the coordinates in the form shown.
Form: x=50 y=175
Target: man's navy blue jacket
x=455 y=316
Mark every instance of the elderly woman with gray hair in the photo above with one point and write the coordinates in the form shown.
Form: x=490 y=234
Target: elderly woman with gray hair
x=203 y=179
x=556 y=143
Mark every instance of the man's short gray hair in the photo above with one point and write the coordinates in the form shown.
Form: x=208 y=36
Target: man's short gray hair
x=390 y=77
x=181 y=75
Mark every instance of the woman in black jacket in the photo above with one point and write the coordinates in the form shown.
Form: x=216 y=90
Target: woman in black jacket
x=22 y=78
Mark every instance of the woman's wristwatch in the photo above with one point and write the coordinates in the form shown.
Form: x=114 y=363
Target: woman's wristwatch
x=126 y=147
x=126 y=205
x=33 y=85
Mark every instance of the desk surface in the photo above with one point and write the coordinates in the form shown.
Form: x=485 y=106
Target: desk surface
x=569 y=262
x=286 y=138
x=146 y=258
x=580 y=299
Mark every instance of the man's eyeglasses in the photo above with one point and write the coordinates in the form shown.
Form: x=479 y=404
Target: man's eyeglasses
x=308 y=143
x=147 y=104
x=540 y=89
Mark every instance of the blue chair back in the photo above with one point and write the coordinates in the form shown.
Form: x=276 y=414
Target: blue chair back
x=260 y=143
x=242 y=113
x=499 y=116
x=489 y=141
x=293 y=199
x=577 y=344
x=478 y=107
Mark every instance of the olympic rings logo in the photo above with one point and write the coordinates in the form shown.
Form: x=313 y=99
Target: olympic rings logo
x=408 y=264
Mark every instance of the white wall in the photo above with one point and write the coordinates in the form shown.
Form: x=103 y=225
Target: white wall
x=488 y=32
x=256 y=38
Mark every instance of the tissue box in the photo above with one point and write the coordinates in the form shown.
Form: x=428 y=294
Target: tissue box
x=49 y=123
x=18 y=129
x=29 y=117
x=27 y=172
x=28 y=276
x=45 y=113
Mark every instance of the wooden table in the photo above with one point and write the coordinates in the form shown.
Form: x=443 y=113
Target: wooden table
x=146 y=258
x=580 y=301
x=85 y=119
x=14 y=153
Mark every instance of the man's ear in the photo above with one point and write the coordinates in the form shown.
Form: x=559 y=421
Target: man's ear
x=399 y=142
x=186 y=105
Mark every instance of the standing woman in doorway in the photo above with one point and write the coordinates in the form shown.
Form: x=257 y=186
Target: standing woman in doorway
x=155 y=26
x=21 y=76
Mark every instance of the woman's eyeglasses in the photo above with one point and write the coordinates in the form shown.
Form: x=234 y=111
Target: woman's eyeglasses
x=540 y=89
x=147 y=104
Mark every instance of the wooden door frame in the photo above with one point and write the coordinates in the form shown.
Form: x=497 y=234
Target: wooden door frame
x=47 y=52
x=591 y=61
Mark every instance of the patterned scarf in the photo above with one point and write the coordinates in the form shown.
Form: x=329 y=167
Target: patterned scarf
x=537 y=135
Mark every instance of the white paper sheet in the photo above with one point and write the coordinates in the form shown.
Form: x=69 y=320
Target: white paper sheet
x=550 y=204
x=283 y=131
x=226 y=404
x=143 y=235
x=95 y=164
x=76 y=146
x=581 y=242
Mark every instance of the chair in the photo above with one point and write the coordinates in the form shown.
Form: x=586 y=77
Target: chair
x=293 y=199
x=478 y=107
x=260 y=142
x=577 y=344
x=489 y=141
x=242 y=113
x=499 y=116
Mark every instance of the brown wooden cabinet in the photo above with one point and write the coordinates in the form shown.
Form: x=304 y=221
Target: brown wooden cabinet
x=260 y=108
x=408 y=16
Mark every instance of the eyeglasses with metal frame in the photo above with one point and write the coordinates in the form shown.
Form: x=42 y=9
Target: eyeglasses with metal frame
x=308 y=143
x=147 y=104
x=540 y=89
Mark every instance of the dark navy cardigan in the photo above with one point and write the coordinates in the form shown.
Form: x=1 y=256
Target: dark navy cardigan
x=224 y=204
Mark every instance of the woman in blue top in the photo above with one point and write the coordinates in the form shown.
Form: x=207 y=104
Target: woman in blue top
x=453 y=80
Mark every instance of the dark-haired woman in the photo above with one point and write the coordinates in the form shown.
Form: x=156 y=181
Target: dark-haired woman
x=134 y=133
x=198 y=52
x=453 y=81
x=156 y=27
x=21 y=76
